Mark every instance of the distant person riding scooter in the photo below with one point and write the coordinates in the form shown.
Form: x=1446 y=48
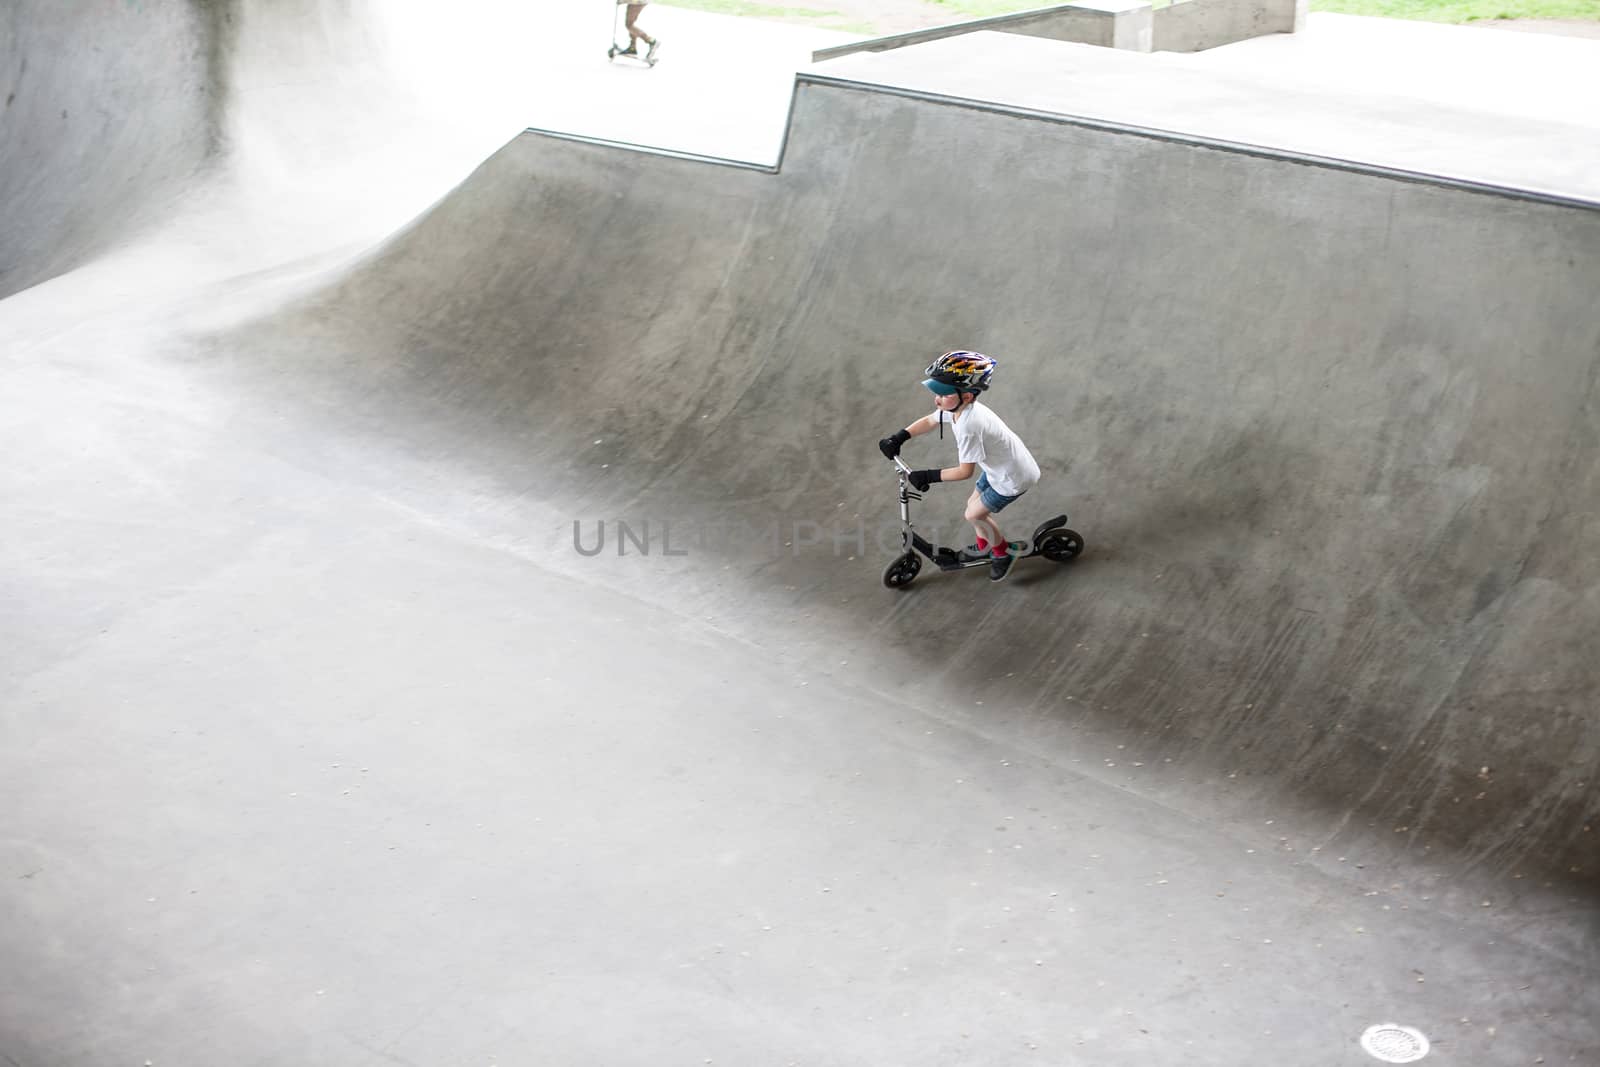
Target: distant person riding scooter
x=636 y=33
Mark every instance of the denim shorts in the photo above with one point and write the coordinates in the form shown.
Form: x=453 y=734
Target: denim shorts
x=992 y=498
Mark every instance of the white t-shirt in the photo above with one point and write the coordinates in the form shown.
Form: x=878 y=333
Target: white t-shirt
x=982 y=438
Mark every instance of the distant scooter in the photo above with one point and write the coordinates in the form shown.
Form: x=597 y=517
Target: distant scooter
x=631 y=49
x=1051 y=539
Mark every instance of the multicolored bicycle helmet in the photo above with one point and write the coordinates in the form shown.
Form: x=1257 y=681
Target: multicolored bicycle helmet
x=959 y=372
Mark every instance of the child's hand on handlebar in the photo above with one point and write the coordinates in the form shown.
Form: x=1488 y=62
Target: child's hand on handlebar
x=890 y=446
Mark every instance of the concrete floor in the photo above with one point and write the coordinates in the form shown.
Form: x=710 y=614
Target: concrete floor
x=321 y=744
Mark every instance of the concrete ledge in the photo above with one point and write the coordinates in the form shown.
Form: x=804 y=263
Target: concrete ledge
x=1195 y=25
x=1551 y=159
x=1123 y=24
x=1132 y=25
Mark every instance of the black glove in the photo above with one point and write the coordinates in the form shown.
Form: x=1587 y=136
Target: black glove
x=923 y=479
x=890 y=446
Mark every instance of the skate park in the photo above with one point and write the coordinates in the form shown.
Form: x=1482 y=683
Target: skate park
x=339 y=730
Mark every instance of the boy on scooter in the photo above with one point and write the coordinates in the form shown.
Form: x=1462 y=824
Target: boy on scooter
x=982 y=441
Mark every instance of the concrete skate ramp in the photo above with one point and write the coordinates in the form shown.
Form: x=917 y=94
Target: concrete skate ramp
x=1330 y=437
x=323 y=742
x=97 y=138
x=124 y=122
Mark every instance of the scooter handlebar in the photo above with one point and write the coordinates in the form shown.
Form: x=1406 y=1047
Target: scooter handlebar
x=901 y=465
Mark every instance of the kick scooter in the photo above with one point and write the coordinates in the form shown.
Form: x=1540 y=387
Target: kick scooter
x=1051 y=539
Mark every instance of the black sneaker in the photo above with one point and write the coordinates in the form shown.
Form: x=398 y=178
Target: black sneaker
x=631 y=50
x=972 y=553
x=1000 y=566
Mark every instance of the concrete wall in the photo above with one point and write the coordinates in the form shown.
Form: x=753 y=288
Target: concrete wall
x=108 y=108
x=1108 y=23
x=1134 y=25
x=1195 y=25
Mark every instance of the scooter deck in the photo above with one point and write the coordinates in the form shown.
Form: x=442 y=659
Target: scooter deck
x=614 y=53
x=952 y=559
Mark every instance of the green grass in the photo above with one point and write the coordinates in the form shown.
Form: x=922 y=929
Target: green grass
x=828 y=20
x=1464 y=10
x=1422 y=10
x=982 y=9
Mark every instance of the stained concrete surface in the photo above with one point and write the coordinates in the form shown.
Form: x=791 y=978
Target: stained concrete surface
x=325 y=745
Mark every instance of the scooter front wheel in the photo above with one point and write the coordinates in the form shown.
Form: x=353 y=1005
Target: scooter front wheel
x=901 y=572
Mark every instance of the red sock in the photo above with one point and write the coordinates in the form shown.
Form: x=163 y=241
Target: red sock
x=983 y=546
x=1002 y=550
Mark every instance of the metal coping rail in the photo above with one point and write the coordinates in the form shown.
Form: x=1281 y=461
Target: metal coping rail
x=672 y=153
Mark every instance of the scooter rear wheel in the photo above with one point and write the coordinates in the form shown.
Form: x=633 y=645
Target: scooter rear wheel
x=1061 y=544
x=900 y=573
